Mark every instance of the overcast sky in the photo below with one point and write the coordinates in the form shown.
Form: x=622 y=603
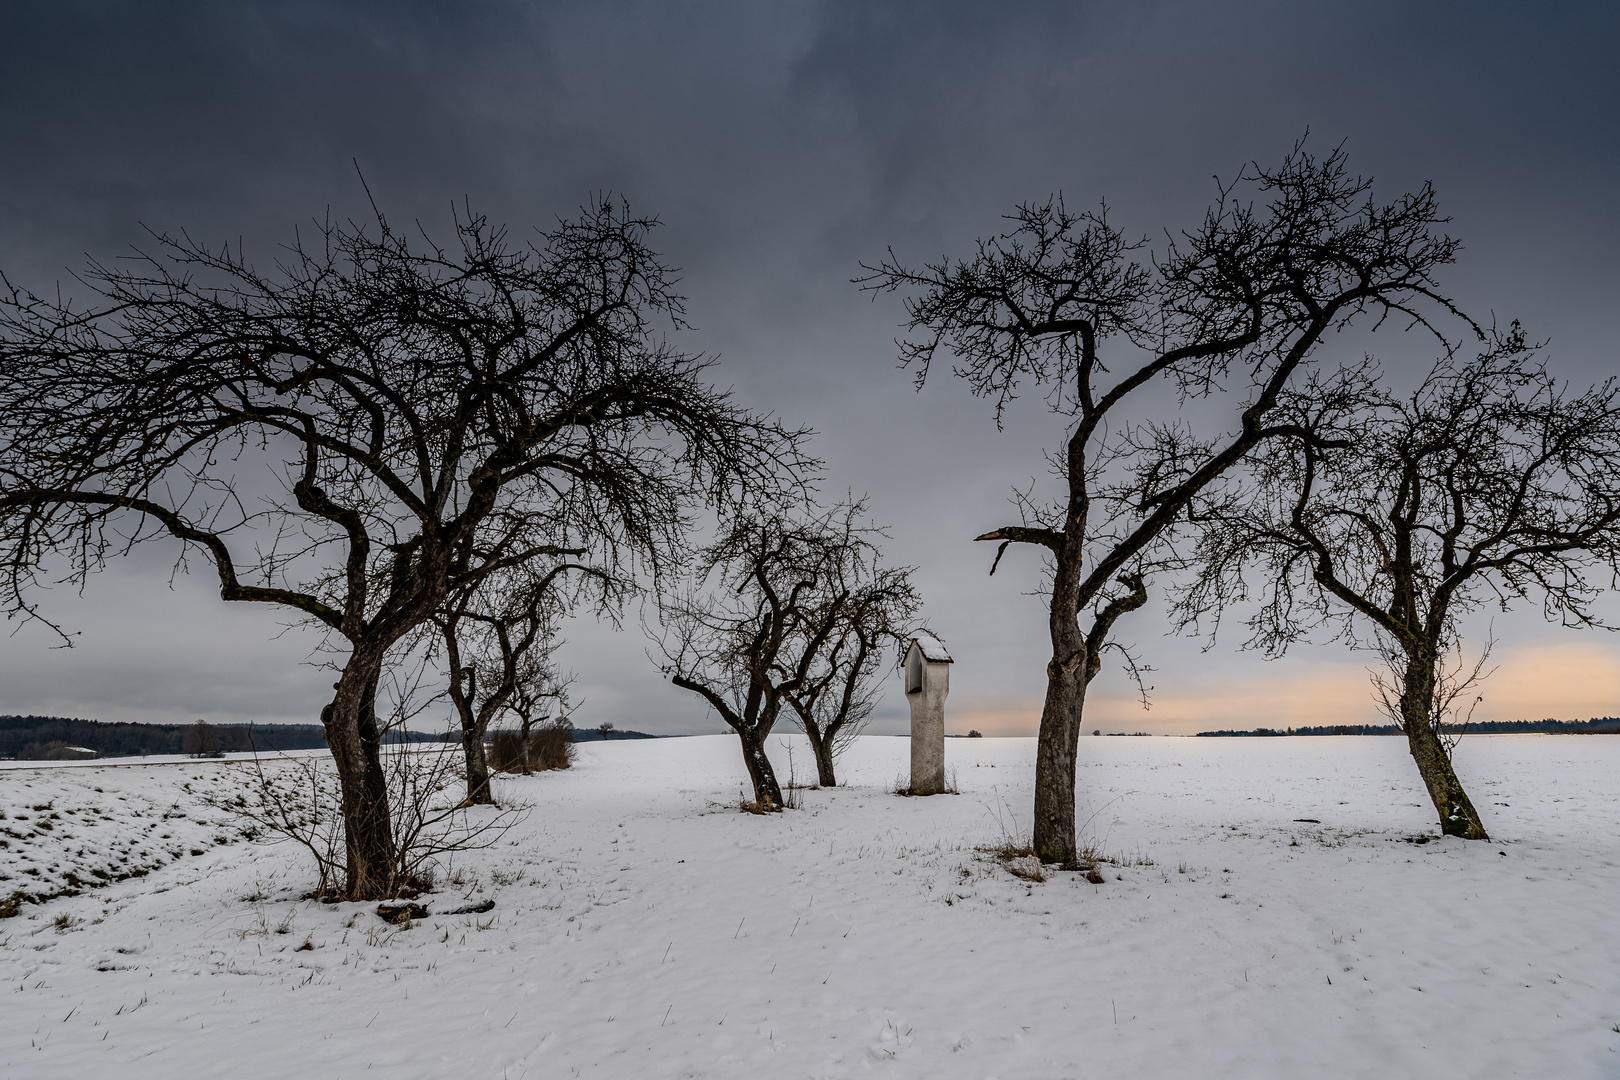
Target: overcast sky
x=781 y=144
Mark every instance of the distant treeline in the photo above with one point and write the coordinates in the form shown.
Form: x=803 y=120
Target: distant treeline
x=39 y=738
x=597 y=734
x=1598 y=725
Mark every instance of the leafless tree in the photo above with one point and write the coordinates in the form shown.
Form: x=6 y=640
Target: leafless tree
x=1231 y=310
x=541 y=703
x=497 y=636
x=774 y=591
x=1491 y=483
x=415 y=402
x=1450 y=706
x=872 y=611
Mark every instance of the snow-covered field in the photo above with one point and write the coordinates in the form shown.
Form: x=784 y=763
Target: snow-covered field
x=643 y=927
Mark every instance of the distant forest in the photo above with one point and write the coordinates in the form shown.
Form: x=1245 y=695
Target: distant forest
x=39 y=737
x=42 y=738
x=1598 y=725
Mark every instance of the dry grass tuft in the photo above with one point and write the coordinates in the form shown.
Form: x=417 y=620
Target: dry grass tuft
x=1008 y=848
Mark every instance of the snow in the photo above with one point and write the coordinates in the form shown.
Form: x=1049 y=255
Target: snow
x=932 y=649
x=643 y=927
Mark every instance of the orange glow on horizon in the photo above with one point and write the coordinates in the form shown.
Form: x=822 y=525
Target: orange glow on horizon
x=1533 y=682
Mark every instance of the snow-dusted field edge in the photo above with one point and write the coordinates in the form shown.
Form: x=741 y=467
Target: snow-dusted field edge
x=645 y=928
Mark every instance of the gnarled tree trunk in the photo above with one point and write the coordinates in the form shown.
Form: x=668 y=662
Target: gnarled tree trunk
x=352 y=733
x=1056 y=752
x=767 y=793
x=1076 y=660
x=1062 y=717
x=472 y=745
x=821 y=747
x=1457 y=815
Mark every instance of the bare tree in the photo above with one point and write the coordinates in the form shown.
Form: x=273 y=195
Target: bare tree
x=300 y=798
x=411 y=400
x=541 y=702
x=494 y=653
x=773 y=601
x=871 y=610
x=1230 y=310
x=1491 y=483
x=540 y=698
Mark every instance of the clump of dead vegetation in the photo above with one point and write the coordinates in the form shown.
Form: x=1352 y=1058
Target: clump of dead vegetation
x=544 y=748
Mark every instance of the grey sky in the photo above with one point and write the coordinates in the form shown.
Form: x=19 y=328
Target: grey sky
x=782 y=144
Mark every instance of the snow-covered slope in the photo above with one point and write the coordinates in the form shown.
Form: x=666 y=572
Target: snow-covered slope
x=643 y=927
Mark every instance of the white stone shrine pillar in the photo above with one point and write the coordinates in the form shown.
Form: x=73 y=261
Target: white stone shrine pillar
x=928 y=680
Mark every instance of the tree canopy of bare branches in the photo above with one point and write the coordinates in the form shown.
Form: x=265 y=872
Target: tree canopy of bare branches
x=431 y=416
x=1492 y=483
x=872 y=610
x=1230 y=310
x=789 y=612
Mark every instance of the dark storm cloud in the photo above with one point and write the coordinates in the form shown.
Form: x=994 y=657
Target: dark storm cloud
x=781 y=144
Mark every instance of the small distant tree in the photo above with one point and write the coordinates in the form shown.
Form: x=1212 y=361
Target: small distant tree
x=1492 y=483
x=605 y=728
x=773 y=593
x=201 y=740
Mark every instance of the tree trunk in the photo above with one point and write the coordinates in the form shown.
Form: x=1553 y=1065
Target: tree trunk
x=821 y=746
x=766 y=791
x=1457 y=814
x=351 y=731
x=1062 y=718
x=523 y=748
x=472 y=743
x=1055 y=755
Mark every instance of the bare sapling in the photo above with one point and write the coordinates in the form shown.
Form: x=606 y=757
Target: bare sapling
x=544 y=737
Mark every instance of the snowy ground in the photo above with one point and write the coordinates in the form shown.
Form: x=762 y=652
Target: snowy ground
x=643 y=927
